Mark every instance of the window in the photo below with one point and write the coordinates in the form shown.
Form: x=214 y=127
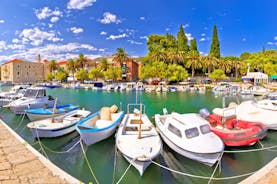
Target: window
x=205 y=129
x=174 y=130
x=41 y=93
x=192 y=132
x=17 y=73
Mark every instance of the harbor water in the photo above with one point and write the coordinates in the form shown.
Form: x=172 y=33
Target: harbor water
x=108 y=165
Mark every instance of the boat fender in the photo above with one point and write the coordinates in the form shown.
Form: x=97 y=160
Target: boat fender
x=165 y=111
x=204 y=112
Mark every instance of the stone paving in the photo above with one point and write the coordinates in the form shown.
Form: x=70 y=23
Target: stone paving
x=19 y=165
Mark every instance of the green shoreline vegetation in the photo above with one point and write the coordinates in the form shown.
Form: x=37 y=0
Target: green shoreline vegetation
x=172 y=59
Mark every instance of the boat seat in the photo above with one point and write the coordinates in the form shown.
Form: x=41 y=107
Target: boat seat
x=102 y=123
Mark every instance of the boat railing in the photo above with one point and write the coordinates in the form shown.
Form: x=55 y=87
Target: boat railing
x=133 y=106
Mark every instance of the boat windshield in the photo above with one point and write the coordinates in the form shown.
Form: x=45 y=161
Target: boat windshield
x=192 y=132
x=34 y=93
x=205 y=129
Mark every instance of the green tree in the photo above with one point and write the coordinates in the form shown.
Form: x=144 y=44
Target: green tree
x=176 y=72
x=96 y=73
x=217 y=74
x=193 y=61
x=121 y=56
x=270 y=69
x=209 y=62
x=50 y=77
x=182 y=40
x=61 y=75
x=81 y=61
x=53 y=67
x=71 y=67
x=82 y=75
x=104 y=64
x=113 y=73
x=215 y=46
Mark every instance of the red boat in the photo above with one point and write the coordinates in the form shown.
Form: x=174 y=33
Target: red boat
x=235 y=132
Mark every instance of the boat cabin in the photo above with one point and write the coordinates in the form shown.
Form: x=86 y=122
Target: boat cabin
x=36 y=92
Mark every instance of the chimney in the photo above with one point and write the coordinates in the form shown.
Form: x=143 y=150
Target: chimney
x=39 y=60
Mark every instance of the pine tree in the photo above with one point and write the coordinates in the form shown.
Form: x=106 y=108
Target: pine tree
x=215 y=49
x=182 y=40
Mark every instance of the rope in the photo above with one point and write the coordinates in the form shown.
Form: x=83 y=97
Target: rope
x=114 y=164
x=20 y=121
x=202 y=177
x=61 y=152
x=218 y=162
x=124 y=174
x=252 y=150
x=87 y=161
x=39 y=142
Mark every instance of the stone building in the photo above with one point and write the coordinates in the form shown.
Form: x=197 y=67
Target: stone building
x=19 y=71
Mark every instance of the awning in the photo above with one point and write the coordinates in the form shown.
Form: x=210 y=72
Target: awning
x=273 y=77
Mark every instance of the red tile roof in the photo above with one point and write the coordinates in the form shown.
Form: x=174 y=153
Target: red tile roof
x=62 y=62
x=13 y=61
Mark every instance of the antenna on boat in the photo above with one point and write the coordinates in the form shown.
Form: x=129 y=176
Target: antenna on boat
x=140 y=122
x=53 y=111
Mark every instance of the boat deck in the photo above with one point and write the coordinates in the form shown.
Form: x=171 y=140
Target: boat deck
x=19 y=164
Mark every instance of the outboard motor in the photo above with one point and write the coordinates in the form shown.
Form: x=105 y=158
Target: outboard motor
x=165 y=111
x=204 y=112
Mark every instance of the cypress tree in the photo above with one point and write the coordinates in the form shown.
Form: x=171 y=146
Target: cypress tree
x=193 y=45
x=215 y=50
x=182 y=40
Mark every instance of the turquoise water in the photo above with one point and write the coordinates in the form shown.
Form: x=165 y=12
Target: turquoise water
x=102 y=155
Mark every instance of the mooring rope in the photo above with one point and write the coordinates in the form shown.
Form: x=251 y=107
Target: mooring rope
x=88 y=164
x=218 y=162
x=202 y=177
x=20 y=122
x=252 y=150
x=61 y=152
x=114 y=163
x=124 y=174
x=39 y=142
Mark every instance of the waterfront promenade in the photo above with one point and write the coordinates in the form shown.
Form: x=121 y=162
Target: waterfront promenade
x=20 y=163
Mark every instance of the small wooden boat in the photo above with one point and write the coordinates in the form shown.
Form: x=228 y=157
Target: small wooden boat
x=137 y=139
x=57 y=126
x=100 y=125
x=235 y=132
x=43 y=113
x=190 y=136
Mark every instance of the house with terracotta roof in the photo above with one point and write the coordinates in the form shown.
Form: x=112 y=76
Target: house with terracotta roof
x=19 y=71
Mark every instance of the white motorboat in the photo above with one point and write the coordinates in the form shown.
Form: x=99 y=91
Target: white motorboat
x=57 y=126
x=259 y=90
x=122 y=87
x=190 y=136
x=100 y=125
x=250 y=111
x=130 y=86
x=137 y=139
x=267 y=104
x=14 y=90
x=140 y=86
x=272 y=96
x=14 y=94
x=150 y=89
x=76 y=85
x=44 y=113
x=34 y=97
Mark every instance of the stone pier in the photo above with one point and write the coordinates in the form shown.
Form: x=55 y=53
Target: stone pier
x=21 y=163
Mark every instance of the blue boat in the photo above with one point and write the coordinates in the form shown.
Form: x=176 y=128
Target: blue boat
x=98 y=127
x=43 y=113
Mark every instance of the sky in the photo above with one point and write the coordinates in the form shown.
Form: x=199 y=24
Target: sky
x=61 y=29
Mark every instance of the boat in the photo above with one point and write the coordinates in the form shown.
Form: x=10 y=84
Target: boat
x=130 y=86
x=14 y=90
x=150 y=89
x=76 y=85
x=137 y=139
x=272 y=95
x=234 y=132
x=43 y=113
x=267 y=104
x=15 y=93
x=100 y=125
x=259 y=90
x=140 y=86
x=57 y=126
x=97 y=86
x=173 y=89
x=249 y=111
x=190 y=136
x=34 y=97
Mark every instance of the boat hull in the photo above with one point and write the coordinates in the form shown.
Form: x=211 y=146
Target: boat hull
x=52 y=133
x=20 y=109
x=206 y=158
x=35 y=117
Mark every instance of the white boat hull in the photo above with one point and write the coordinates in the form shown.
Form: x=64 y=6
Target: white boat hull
x=35 y=117
x=52 y=133
x=20 y=109
x=139 y=165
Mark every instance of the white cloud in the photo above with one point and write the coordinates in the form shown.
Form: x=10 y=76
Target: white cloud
x=143 y=37
x=109 y=18
x=54 y=19
x=3 y=45
x=203 y=34
x=243 y=39
x=189 y=36
x=103 y=33
x=142 y=18
x=167 y=29
x=101 y=50
x=51 y=51
x=79 y=4
x=50 y=25
x=134 y=42
x=15 y=40
x=114 y=37
x=76 y=30
x=47 y=12
x=185 y=26
x=36 y=36
x=275 y=38
x=202 y=39
x=2 y=21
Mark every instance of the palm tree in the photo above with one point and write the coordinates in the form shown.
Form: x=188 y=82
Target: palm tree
x=71 y=67
x=193 y=61
x=236 y=64
x=81 y=61
x=176 y=57
x=209 y=62
x=225 y=64
x=104 y=64
x=53 y=66
x=121 y=56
